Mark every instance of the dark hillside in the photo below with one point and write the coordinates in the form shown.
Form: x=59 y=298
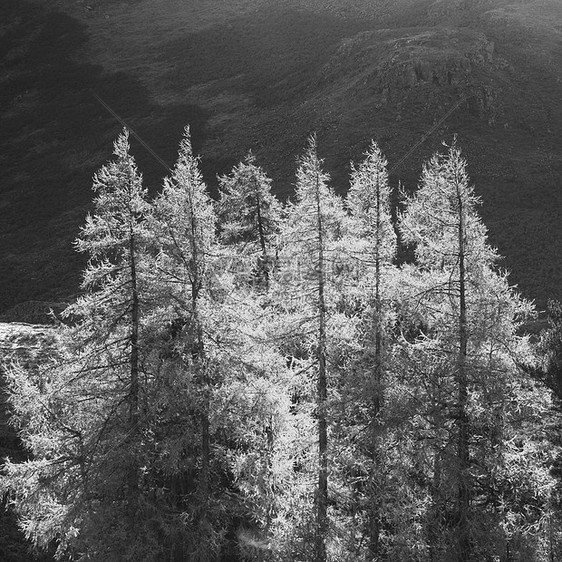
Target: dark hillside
x=260 y=74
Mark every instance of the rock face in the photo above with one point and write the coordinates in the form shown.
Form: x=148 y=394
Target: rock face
x=441 y=57
x=434 y=65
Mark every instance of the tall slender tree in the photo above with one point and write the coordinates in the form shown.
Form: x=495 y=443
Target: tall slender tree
x=87 y=471
x=372 y=247
x=115 y=238
x=183 y=224
x=468 y=308
x=314 y=224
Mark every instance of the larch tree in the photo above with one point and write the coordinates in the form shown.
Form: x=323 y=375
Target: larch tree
x=183 y=224
x=226 y=394
x=305 y=291
x=471 y=317
x=250 y=216
x=82 y=418
x=371 y=245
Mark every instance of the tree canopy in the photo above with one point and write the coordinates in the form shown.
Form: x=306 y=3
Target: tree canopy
x=246 y=379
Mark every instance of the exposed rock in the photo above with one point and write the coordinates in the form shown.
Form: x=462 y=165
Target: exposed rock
x=436 y=64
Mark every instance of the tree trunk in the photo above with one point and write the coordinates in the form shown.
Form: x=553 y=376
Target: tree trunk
x=133 y=476
x=198 y=357
x=463 y=491
x=322 y=394
x=263 y=270
x=374 y=511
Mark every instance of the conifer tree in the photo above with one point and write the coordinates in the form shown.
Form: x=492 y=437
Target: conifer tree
x=449 y=197
x=183 y=225
x=250 y=215
x=310 y=234
x=372 y=247
x=83 y=487
x=468 y=309
x=111 y=309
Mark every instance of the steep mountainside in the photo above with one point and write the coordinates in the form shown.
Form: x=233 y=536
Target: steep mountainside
x=261 y=74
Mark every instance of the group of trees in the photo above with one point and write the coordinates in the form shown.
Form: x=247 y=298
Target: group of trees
x=243 y=379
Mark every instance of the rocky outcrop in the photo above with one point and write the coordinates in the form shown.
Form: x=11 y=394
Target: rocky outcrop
x=441 y=57
x=432 y=66
x=22 y=341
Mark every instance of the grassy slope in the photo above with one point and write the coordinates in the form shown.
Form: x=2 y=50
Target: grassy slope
x=261 y=74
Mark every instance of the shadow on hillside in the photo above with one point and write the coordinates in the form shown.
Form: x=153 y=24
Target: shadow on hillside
x=54 y=136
